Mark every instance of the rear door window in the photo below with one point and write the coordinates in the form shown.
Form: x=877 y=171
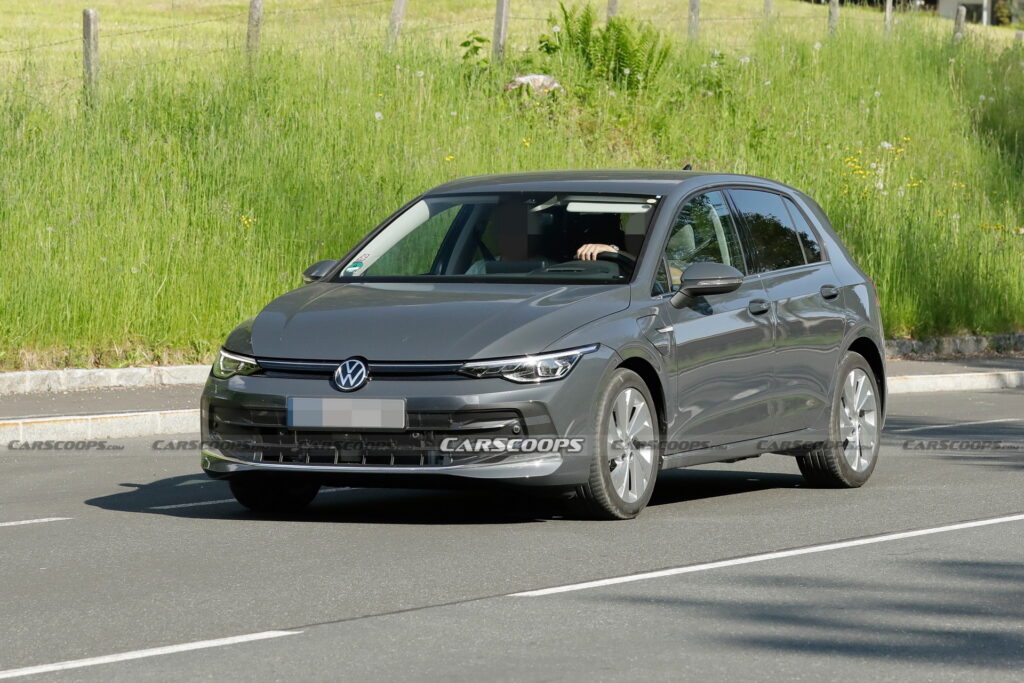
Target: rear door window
x=774 y=239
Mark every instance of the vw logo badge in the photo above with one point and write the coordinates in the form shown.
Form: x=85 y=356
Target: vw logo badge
x=351 y=375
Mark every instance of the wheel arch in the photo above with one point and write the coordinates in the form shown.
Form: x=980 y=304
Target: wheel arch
x=867 y=348
x=650 y=376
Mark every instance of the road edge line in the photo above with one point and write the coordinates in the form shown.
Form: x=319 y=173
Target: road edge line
x=41 y=520
x=142 y=654
x=763 y=557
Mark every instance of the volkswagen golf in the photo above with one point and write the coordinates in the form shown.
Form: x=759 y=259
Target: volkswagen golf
x=575 y=330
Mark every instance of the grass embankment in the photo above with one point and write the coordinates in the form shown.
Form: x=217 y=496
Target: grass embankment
x=144 y=228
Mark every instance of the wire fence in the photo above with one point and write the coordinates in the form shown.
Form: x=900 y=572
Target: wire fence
x=390 y=17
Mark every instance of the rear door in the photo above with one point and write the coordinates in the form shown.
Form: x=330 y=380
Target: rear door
x=721 y=344
x=807 y=306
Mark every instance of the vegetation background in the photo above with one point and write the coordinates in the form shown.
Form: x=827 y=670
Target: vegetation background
x=200 y=184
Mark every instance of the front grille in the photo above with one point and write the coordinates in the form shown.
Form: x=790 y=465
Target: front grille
x=262 y=435
x=273 y=367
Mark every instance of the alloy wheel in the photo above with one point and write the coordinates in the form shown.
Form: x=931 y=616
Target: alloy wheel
x=858 y=420
x=630 y=445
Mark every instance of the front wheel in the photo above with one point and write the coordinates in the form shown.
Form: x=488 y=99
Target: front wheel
x=626 y=453
x=273 y=495
x=850 y=455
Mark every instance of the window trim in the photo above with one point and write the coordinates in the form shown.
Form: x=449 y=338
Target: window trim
x=791 y=269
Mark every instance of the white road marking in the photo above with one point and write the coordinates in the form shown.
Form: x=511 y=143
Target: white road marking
x=35 y=521
x=141 y=654
x=232 y=500
x=764 y=557
x=925 y=428
x=192 y=505
x=200 y=481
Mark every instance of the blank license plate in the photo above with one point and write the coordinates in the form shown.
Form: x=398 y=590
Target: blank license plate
x=347 y=413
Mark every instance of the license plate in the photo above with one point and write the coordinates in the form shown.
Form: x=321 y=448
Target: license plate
x=347 y=413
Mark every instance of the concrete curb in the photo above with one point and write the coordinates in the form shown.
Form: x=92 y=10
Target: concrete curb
x=29 y=381
x=163 y=422
x=967 y=381
x=105 y=426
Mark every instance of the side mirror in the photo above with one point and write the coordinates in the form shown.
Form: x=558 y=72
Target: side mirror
x=702 y=279
x=318 y=270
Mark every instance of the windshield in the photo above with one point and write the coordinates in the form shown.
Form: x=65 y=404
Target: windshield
x=534 y=237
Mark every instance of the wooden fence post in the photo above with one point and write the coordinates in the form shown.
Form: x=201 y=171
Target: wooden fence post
x=613 y=8
x=397 y=17
x=252 y=36
x=958 y=23
x=500 y=28
x=888 y=16
x=833 y=16
x=767 y=8
x=91 y=51
x=693 y=30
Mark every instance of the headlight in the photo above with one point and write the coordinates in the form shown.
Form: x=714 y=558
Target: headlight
x=541 y=368
x=229 y=365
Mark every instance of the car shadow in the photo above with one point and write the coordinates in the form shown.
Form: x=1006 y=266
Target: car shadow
x=957 y=612
x=194 y=497
x=351 y=505
x=995 y=444
x=683 y=485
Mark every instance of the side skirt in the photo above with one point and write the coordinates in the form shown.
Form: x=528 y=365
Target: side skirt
x=783 y=444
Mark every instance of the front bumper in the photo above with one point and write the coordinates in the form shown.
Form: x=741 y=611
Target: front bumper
x=541 y=465
x=253 y=409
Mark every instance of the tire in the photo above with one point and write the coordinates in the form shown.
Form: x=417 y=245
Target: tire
x=622 y=479
x=849 y=456
x=273 y=495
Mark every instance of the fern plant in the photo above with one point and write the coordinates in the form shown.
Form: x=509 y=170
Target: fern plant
x=623 y=51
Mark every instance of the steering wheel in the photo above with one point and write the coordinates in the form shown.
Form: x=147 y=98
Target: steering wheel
x=622 y=259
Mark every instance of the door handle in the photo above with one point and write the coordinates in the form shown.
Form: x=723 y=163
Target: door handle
x=829 y=291
x=759 y=306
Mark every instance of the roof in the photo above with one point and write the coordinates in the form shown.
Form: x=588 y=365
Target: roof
x=625 y=182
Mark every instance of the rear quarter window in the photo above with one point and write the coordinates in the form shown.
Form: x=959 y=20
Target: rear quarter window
x=809 y=242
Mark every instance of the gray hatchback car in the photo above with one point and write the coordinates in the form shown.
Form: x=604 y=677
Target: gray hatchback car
x=578 y=330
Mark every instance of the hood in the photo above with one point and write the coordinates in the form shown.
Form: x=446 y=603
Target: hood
x=426 y=321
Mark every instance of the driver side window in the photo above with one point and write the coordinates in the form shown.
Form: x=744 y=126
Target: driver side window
x=703 y=232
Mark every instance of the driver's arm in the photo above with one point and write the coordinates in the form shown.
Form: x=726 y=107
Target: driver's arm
x=589 y=252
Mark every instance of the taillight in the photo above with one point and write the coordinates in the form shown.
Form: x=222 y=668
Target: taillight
x=874 y=290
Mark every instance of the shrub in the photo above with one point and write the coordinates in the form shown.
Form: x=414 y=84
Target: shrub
x=623 y=51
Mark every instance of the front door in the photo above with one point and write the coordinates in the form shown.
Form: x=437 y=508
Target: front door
x=721 y=358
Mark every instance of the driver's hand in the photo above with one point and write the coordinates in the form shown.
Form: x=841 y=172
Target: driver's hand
x=589 y=252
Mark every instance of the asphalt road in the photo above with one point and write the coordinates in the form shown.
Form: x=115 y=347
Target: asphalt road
x=143 y=553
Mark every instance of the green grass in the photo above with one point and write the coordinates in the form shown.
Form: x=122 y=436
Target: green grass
x=143 y=229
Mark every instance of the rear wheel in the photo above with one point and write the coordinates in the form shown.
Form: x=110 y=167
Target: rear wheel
x=850 y=455
x=626 y=453
x=273 y=495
